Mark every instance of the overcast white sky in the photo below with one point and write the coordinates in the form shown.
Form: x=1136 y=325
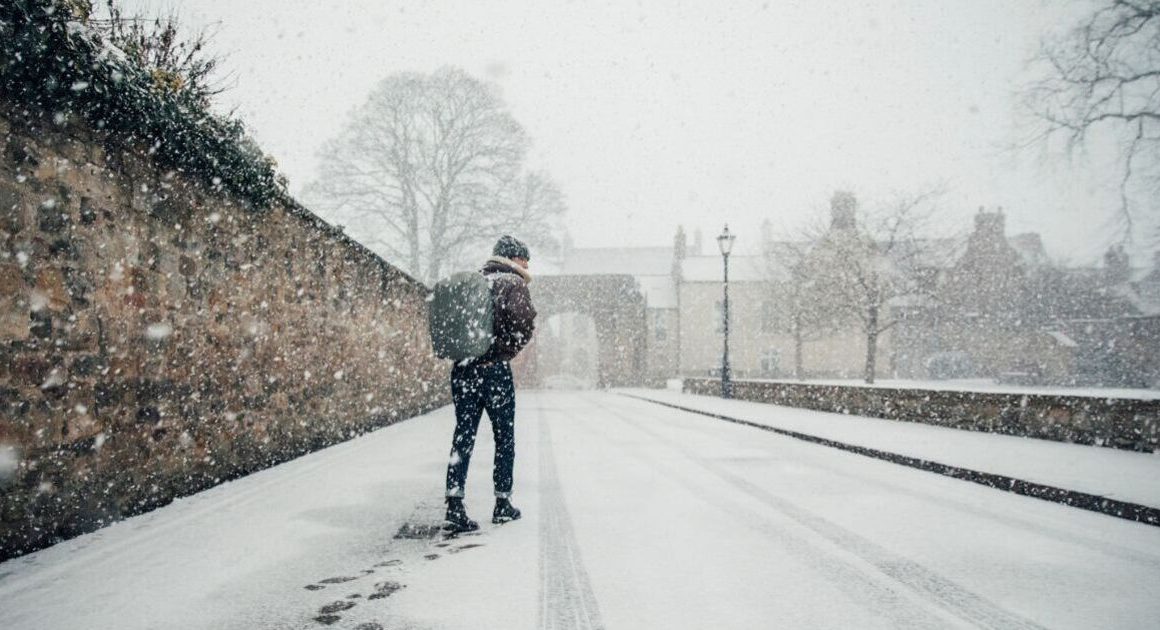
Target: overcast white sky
x=650 y=114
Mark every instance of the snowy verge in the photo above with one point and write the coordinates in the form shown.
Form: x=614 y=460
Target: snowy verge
x=1121 y=475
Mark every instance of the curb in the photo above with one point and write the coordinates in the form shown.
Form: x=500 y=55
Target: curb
x=1082 y=500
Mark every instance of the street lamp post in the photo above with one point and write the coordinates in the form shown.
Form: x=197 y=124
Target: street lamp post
x=725 y=242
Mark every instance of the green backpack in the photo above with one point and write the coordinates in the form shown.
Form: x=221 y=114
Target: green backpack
x=460 y=316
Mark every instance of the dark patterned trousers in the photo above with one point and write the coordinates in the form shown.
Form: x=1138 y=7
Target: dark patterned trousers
x=475 y=389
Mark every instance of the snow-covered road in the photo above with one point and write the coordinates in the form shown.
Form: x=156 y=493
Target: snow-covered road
x=636 y=516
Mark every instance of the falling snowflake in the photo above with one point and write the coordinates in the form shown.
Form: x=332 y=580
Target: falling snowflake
x=55 y=379
x=158 y=331
x=9 y=461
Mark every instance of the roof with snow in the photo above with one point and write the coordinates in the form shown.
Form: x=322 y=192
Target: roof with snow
x=710 y=269
x=650 y=266
x=659 y=291
x=636 y=261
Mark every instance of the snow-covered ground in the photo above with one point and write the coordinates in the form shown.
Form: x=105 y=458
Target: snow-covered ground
x=636 y=516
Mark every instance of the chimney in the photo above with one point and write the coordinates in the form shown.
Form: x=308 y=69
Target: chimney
x=680 y=244
x=843 y=209
x=991 y=226
x=1117 y=267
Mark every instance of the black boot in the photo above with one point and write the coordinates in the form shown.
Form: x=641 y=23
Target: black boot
x=504 y=511
x=457 y=521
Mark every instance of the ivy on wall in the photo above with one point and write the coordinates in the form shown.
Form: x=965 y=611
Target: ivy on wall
x=52 y=63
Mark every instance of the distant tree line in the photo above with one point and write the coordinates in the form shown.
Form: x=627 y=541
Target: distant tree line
x=985 y=302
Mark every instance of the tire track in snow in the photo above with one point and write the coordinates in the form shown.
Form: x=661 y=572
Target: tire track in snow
x=566 y=597
x=933 y=587
x=875 y=594
x=1007 y=518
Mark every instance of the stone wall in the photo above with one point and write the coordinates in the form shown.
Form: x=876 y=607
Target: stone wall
x=158 y=337
x=1115 y=422
x=617 y=308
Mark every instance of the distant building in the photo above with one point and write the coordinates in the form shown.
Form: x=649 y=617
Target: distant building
x=652 y=269
x=987 y=305
x=758 y=349
x=1000 y=310
x=978 y=313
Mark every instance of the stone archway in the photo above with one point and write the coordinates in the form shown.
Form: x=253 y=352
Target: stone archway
x=616 y=306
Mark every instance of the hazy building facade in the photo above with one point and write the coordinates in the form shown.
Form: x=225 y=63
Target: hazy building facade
x=986 y=305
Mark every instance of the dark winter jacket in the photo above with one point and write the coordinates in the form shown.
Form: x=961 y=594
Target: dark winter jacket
x=514 y=318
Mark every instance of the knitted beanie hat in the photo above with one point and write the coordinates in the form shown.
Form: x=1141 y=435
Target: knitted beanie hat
x=510 y=247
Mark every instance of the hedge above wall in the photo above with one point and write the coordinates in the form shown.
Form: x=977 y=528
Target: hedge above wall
x=52 y=61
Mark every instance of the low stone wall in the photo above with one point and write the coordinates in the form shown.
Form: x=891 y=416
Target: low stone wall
x=158 y=337
x=1115 y=422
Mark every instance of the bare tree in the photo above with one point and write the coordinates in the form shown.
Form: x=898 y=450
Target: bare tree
x=430 y=168
x=861 y=263
x=792 y=285
x=1104 y=74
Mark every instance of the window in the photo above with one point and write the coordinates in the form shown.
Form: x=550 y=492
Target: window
x=770 y=362
x=660 y=327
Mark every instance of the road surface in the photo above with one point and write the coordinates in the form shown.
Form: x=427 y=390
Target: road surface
x=636 y=516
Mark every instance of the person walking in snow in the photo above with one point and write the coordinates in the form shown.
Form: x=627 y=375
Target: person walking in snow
x=485 y=383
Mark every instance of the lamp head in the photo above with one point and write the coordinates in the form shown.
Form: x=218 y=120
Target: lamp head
x=725 y=241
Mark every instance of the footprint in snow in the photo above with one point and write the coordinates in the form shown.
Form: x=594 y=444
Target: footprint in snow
x=337 y=606
x=314 y=587
x=337 y=580
x=432 y=556
x=326 y=620
x=389 y=563
x=386 y=589
x=418 y=531
x=370 y=625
